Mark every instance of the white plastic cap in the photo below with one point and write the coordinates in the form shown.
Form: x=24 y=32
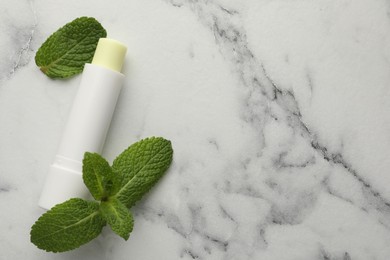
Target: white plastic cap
x=62 y=184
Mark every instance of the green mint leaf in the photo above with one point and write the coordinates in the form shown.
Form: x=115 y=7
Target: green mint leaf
x=98 y=176
x=67 y=226
x=66 y=51
x=140 y=166
x=118 y=217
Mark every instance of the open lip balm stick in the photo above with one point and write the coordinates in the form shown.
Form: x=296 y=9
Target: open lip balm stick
x=88 y=123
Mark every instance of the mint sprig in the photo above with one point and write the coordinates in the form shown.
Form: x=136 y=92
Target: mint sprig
x=75 y=222
x=66 y=51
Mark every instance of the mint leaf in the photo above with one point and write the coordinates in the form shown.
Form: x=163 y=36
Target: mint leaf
x=118 y=217
x=66 y=51
x=67 y=226
x=140 y=166
x=75 y=222
x=98 y=176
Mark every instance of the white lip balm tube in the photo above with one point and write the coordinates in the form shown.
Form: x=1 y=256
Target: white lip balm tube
x=88 y=123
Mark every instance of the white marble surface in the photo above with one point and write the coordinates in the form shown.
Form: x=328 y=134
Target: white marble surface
x=279 y=114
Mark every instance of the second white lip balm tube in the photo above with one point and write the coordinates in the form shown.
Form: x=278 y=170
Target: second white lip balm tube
x=87 y=124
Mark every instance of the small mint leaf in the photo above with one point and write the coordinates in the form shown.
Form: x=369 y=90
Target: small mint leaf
x=67 y=226
x=140 y=166
x=66 y=51
x=118 y=217
x=97 y=176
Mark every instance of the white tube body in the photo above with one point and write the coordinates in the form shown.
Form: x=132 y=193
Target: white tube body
x=85 y=131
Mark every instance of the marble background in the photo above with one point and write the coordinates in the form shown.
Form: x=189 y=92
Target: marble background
x=278 y=111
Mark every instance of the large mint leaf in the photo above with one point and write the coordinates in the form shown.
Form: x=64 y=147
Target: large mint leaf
x=140 y=166
x=67 y=226
x=98 y=176
x=66 y=51
x=118 y=217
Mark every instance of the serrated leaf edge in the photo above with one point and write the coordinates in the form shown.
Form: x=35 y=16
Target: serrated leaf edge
x=146 y=164
x=67 y=227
